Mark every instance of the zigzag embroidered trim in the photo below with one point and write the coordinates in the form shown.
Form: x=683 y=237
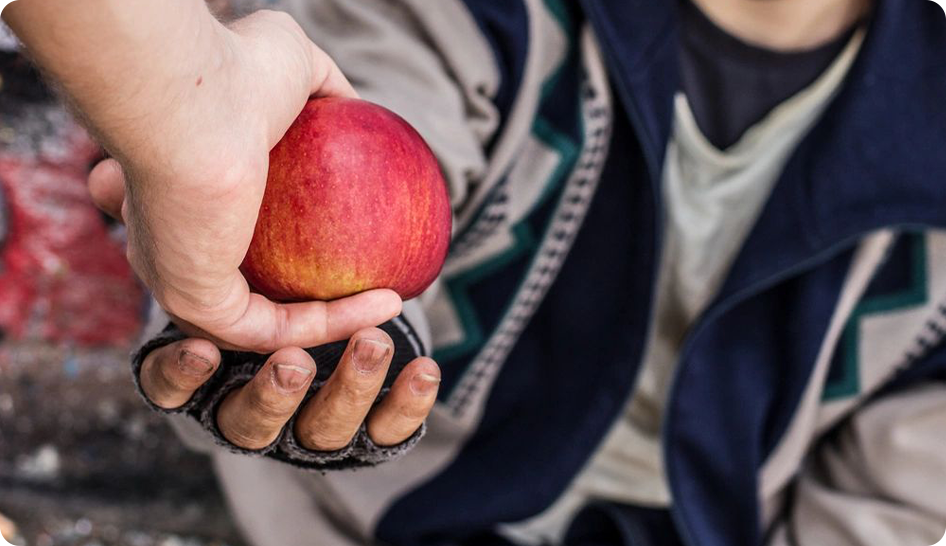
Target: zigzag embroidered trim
x=934 y=332
x=559 y=237
x=492 y=217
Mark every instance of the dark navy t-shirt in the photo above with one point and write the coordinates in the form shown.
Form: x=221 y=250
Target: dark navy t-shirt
x=731 y=85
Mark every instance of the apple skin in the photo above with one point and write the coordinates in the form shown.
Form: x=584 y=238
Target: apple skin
x=354 y=200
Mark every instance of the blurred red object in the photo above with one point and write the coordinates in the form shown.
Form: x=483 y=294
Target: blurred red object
x=63 y=274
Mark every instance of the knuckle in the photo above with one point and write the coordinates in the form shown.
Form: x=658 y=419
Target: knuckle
x=266 y=410
x=358 y=391
x=327 y=425
x=289 y=24
x=320 y=438
x=245 y=438
x=414 y=413
x=168 y=376
x=255 y=18
x=283 y=22
x=155 y=363
x=274 y=15
x=156 y=388
x=391 y=433
x=281 y=326
x=320 y=326
x=242 y=429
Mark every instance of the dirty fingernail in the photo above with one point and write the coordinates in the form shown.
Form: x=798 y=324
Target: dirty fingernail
x=423 y=384
x=291 y=378
x=193 y=364
x=369 y=354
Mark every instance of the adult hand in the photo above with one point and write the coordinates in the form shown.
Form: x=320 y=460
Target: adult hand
x=189 y=109
x=252 y=416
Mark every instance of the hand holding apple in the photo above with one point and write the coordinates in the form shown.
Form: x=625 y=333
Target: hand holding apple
x=192 y=121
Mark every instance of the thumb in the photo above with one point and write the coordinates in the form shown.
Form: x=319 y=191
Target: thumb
x=107 y=187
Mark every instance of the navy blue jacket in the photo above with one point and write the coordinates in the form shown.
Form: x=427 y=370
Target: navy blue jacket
x=876 y=160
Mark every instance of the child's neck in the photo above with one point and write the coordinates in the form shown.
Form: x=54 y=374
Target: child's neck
x=785 y=25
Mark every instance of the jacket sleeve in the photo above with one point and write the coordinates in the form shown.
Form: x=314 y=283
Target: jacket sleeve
x=878 y=479
x=426 y=61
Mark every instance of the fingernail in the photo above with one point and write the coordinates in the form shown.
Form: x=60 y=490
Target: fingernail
x=423 y=384
x=369 y=354
x=193 y=364
x=290 y=378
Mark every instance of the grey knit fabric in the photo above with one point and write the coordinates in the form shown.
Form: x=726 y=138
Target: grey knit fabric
x=238 y=368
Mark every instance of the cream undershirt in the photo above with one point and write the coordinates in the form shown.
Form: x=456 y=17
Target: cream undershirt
x=712 y=199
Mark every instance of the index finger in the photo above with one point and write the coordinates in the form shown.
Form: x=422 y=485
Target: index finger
x=327 y=78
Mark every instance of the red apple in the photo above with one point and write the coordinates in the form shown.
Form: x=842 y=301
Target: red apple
x=355 y=200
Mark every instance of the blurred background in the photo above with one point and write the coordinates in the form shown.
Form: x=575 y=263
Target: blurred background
x=82 y=460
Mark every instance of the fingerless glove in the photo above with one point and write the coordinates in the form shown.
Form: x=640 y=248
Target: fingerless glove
x=238 y=368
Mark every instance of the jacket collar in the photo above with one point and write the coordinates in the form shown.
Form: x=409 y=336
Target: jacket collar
x=876 y=159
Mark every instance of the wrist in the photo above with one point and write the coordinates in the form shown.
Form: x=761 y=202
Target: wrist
x=155 y=77
x=179 y=108
x=118 y=90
